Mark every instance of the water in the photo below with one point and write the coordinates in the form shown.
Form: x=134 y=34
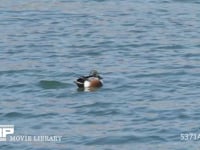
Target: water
x=146 y=51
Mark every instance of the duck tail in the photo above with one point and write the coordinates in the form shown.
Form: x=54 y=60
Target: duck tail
x=80 y=82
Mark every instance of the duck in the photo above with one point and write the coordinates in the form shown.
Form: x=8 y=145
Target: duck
x=93 y=80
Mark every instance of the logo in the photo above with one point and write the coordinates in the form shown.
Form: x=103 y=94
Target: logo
x=6 y=130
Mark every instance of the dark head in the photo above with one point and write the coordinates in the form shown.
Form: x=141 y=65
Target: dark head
x=95 y=73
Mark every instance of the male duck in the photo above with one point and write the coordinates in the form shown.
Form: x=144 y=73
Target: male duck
x=91 y=81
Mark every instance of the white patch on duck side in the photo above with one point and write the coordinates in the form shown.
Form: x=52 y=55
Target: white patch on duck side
x=101 y=81
x=86 y=84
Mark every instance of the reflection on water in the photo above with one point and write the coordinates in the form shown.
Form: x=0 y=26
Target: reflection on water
x=91 y=89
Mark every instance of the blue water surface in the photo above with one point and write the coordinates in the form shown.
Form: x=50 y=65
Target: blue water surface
x=148 y=53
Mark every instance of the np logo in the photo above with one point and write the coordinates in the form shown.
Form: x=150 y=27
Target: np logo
x=6 y=130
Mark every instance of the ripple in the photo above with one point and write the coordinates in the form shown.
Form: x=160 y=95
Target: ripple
x=118 y=140
x=15 y=115
x=44 y=115
x=187 y=1
x=13 y=71
x=96 y=104
x=28 y=115
x=47 y=84
x=161 y=74
x=172 y=47
x=94 y=112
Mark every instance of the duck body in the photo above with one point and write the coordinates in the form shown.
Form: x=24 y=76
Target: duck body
x=91 y=81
